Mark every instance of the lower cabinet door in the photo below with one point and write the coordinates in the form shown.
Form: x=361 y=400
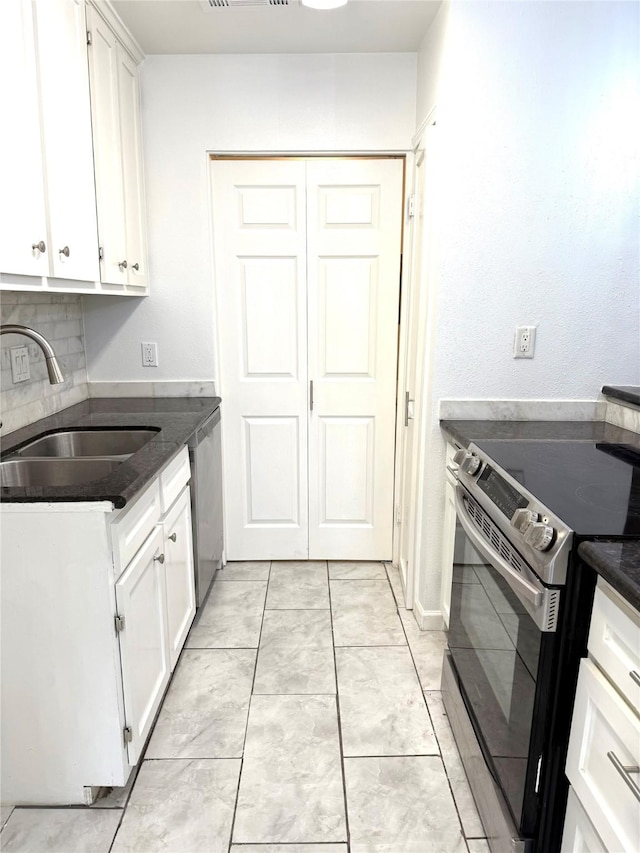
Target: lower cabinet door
x=181 y=599
x=579 y=836
x=141 y=600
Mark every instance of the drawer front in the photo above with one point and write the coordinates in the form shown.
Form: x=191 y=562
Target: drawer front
x=174 y=477
x=604 y=729
x=130 y=530
x=614 y=642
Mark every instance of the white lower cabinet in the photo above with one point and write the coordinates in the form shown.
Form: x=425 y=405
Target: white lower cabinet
x=603 y=760
x=96 y=605
x=179 y=574
x=142 y=629
x=579 y=836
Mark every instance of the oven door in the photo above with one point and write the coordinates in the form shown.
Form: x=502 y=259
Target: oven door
x=502 y=643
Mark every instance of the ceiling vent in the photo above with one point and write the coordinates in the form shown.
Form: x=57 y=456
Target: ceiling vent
x=244 y=4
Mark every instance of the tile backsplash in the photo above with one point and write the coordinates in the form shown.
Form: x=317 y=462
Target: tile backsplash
x=57 y=316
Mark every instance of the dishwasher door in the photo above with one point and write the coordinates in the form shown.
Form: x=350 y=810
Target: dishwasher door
x=205 y=453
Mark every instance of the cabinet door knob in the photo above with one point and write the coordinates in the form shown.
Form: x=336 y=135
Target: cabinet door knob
x=173 y=537
x=159 y=558
x=41 y=246
x=66 y=252
x=135 y=266
x=122 y=265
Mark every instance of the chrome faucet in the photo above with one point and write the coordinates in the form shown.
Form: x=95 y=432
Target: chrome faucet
x=53 y=368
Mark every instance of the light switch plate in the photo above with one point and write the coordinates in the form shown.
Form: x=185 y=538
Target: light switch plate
x=20 y=371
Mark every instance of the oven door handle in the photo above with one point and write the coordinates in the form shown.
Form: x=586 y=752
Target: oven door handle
x=516 y=582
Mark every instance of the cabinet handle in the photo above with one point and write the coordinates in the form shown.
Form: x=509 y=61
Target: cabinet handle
x=135 y=266
x=122 y=265
x=633 y=675
x=66 y=252
x=624 y=772
x=41 y=246
x=159 y=558
x=173 y=537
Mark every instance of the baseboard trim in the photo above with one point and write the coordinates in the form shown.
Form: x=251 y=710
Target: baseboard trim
x=428 y=620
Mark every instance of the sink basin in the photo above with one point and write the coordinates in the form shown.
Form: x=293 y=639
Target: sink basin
x=88 y=442
x=54 y=472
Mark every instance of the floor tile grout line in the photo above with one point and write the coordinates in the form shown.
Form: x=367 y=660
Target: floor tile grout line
x=246 y=728
x=340 y=744
x=433 y=728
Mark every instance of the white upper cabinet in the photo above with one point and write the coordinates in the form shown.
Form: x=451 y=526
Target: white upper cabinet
x=70 y=193
x=48 y=196
x=23 y=220
x=61 y=41
x=115 y=109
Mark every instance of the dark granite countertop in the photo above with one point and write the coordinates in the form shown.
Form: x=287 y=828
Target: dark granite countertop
x=177 y=418
x=618 y=563
x=464 y=432
x=626 y=393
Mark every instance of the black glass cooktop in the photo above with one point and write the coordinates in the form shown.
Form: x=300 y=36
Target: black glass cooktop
x=594 y=487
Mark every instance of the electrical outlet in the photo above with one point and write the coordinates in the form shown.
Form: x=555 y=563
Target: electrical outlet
x=525 y=342
x=149 y=354
x=20 y=364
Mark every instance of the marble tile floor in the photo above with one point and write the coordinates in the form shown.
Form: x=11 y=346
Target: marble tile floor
x=304 y=716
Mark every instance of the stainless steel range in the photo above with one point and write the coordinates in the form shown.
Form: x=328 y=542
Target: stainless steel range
x=519 y=616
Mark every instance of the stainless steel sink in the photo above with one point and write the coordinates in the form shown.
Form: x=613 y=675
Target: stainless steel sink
x=54 y=472
x=83 y=442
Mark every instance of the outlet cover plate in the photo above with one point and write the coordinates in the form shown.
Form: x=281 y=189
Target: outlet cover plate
x=525 y=342
x=20 y=371
x=149 y=354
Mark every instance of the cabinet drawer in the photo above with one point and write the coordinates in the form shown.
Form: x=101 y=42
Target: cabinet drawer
x=605 y=728
x=130 y=530
x=614 y=642
x=173 y=478
x=579 y=836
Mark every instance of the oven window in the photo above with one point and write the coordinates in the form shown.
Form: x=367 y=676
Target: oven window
x=495 y=646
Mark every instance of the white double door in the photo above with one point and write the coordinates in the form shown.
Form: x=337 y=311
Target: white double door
x=307 y=267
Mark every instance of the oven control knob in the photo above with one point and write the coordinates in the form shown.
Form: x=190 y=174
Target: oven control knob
x=522 y=518
x=539 y=536
x=469 y=462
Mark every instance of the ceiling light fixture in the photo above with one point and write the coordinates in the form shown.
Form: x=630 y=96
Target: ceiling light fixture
x=323 y=4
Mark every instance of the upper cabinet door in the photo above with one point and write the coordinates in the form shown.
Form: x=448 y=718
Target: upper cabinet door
x=61 y=39
x=105 y=114
x=131 y=147
x=23 y=225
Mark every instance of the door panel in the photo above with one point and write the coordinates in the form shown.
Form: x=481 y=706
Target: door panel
x=354 y=227
x=179 y=575
x=260 y=266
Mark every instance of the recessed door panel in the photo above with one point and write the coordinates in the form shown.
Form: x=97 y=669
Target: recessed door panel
x=270 y=311
x=266 y=207
x=349 y=206
x=272 y=466
x=347 y=316
x=346 y=473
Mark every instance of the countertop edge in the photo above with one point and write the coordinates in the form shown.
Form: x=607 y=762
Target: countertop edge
x=601 y=557
x=622 y=392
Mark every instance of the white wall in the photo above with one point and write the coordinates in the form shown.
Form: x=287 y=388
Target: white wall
x=227 y=103
x=430 y=63
x=538 y=138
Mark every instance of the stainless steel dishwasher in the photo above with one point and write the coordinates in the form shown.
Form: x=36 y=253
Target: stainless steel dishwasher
x=205 y=454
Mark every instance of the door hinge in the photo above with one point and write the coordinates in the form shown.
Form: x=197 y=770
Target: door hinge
x=411 y=211
x=119 y=623
x=100 y=253
x=89 y=39
x=127 y=734
x=398 y=514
